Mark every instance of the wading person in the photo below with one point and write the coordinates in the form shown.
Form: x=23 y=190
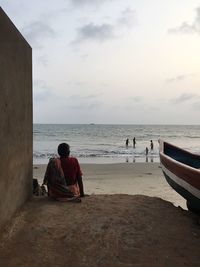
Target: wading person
x=127 y=142
x=151 y=145
x=134 y=142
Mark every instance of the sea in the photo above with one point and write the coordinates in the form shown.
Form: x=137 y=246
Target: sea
x=98 y=143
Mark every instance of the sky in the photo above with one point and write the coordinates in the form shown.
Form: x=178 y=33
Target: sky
x=112 y=61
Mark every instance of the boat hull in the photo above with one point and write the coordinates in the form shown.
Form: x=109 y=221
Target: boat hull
x=184 y=179
x=193 y=202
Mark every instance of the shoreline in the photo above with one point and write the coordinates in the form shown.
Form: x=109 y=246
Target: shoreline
x=109 y=160
x=123 y=178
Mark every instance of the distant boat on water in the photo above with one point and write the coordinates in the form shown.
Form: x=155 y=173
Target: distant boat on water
x=182 y=171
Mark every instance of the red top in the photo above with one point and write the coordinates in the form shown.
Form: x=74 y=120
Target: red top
x=71 y=169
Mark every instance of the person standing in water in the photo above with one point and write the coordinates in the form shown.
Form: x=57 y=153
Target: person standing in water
x=134 y=142
x=147 y=152
x=151 y=145
x=127 y=142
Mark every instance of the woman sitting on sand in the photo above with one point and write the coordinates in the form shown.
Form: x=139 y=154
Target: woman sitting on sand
x=63 y=176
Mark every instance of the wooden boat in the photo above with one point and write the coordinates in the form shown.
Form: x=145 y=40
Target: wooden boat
x=182 y=171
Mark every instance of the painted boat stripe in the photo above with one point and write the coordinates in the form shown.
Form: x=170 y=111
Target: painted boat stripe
x=194 y=191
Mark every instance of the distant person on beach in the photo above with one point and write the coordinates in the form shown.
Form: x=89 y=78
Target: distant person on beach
x=63 y=176
x=147 y=152
x=151 y=145
x=127 y=142
x=134 y=142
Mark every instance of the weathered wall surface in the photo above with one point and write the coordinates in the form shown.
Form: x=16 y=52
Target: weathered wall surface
x=15 y=119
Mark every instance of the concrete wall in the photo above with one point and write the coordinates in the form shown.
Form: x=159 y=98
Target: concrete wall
x=15 y=119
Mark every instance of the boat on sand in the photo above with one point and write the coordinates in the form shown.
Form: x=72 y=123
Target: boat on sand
x=181 y=169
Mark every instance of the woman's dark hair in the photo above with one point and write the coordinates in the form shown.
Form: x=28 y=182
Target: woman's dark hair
x=63 y=150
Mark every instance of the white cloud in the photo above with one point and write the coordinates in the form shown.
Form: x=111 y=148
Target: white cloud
x=95 y=32
x=196 y=105
x=106 y=31
x=186 y=97
x=88 y=2
x=36 y=32
x=177 y=78
x=41 y=92
x=189 y=28
x=84 y=102
x=127 y=17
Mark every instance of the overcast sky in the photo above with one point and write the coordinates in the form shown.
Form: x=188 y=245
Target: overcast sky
x=112 y=61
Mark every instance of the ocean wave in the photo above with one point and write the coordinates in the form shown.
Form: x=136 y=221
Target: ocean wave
x=43 y=155
x=96 y=154
x=108 y=141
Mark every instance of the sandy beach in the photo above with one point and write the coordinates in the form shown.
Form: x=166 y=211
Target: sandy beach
x=124 y=178
x=131 y=218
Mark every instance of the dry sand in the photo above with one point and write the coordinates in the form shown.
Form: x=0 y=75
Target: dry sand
x=105 y=230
